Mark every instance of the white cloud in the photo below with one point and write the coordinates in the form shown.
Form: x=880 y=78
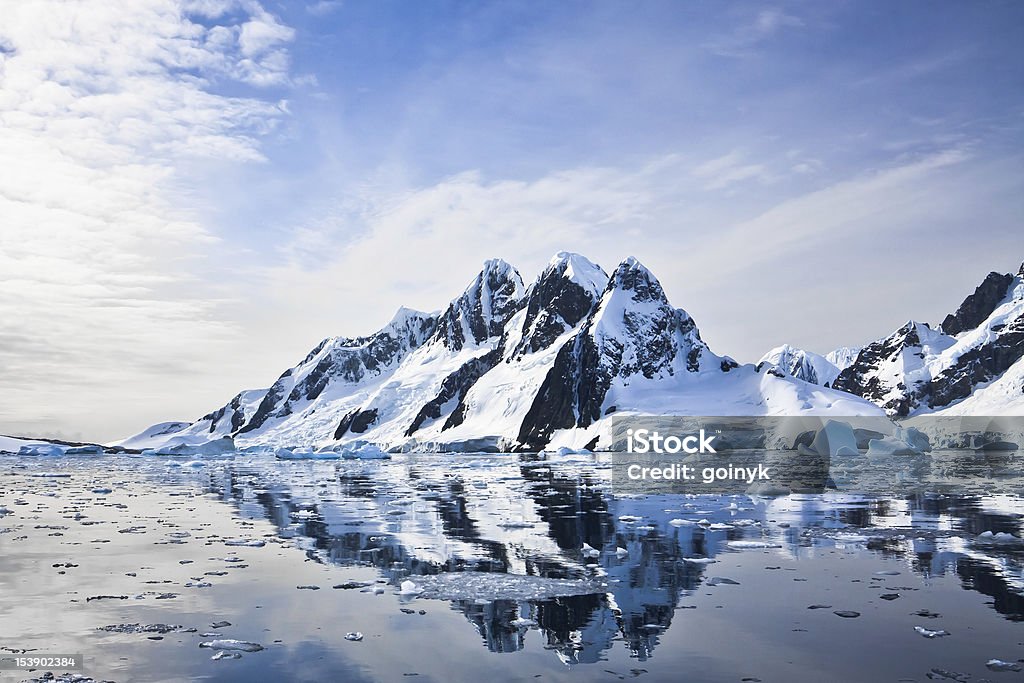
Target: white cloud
x=729 y=169
x=323 y=7
x=105 y=109
x=742 y=40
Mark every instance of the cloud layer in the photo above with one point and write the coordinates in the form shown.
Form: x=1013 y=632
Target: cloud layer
x=104 y=108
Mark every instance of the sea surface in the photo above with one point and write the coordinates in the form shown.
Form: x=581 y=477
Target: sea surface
x=504 y=568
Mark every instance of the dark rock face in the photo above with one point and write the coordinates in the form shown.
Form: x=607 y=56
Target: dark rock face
x=555 y=305
x=554 y=406
x=642 y=337
x=357 y=422
x=861 y=378
x=483 y=309
x=979 y=365
x=978 y=306
x=342 y=360
x=455 y=385
x=233 y=411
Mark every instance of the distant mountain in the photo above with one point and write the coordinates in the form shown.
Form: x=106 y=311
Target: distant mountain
x=801 y=364
x=510 y=367
x=970 y=365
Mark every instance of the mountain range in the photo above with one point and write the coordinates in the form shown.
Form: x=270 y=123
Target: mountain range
x=510 y=366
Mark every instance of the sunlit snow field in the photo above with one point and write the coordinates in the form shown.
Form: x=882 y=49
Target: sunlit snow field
x=503 y=567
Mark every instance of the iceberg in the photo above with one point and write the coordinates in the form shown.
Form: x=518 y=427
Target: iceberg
x=835 y=438
x=49 y=449
x=182 y=446
x=365 y=452
x=290 y=454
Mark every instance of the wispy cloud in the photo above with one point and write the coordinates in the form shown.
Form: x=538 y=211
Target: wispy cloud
x=743 y=40
x=105 y=108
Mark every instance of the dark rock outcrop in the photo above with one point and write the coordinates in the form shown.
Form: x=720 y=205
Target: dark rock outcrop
x=978 y=306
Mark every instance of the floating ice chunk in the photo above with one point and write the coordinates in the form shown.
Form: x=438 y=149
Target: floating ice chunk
x=245 y=542
x=231 y=644
x=621 y=552
x=490 y=586
x=195 y=464
x=181 y=446
x=1000 y=665
x=299 y=454
x=753 y=544
x=409 y=588
x=721 y=580
x=225 y=655
x=365 y=452
x=46 y=449
x=929 y=633
x=354 y=636
x=890 y=446
x=589 y=551
x=523 y=622
x=88 y=449
x=5 y=511
x=915 y=438
x=681 y=522
x=699 y=560
x=1000 y=537
x=102 y=489
x=835 y=438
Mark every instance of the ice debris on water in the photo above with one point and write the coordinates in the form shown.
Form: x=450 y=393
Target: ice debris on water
x=141 y=628
x=409 y=588
x=490 y=586
x=354 y=636
x=740 y=545
x=929 y=633
x=231 y=644
x=245 y=542
x=1001 y=537
x=222 y=654
x=1000 y=665
x=846 y=613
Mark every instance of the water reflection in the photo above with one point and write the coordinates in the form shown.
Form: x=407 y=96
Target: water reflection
x=510 y=515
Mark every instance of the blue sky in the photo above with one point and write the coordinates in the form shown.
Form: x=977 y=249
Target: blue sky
x=197 y=192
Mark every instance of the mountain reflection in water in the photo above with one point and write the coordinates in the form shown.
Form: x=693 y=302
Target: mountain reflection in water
x=416 y=516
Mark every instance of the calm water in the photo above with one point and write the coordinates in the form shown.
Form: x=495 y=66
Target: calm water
x=560 y=578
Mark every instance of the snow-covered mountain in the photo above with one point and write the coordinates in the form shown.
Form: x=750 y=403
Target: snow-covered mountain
x=801 y=364
x=510 y=367
x=843 y=357
x=970 y=365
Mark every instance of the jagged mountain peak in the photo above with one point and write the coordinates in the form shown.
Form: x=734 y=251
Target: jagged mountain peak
x=634 y=277
x=563 y=295
x=483 y=309
x=578 y=269
x=979 y=305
